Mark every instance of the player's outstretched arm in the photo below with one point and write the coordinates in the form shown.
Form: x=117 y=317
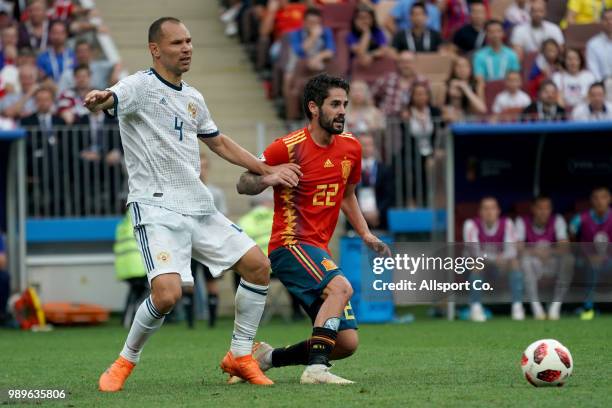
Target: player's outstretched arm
x=286 y=175
x=350 y=208
x=97 y=100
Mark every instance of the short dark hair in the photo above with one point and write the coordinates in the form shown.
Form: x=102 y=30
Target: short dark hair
x=81 y=67
x=541 y=197
x=545 y=83
x=58 y=22
x=598 y=85
x=313 y=11
x=486 y=198
x=155 y=27
x=418 y=4
x=600 y=188
x=317 y=89
x=80 y=42
x=493 y=22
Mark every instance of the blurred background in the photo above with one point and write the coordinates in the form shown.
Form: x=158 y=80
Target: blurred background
x=453 y=101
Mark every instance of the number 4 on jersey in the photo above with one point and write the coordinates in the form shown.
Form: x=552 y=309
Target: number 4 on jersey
x=178 y=127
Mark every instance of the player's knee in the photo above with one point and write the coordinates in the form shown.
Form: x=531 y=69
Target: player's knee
x=340 y=288
x=165 y=298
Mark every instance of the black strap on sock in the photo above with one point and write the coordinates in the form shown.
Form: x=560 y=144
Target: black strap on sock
x=322 y=343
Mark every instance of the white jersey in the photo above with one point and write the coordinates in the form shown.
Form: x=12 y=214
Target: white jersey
x=160 y=124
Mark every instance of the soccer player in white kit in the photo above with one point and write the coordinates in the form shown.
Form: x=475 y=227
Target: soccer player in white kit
x=160 y=120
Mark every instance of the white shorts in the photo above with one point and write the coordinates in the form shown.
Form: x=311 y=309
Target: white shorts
x=168 y=240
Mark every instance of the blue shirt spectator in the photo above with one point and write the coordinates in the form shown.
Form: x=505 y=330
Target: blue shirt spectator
x=401 y=14
x=58 y=57
x=494 y=61
x=326 y=42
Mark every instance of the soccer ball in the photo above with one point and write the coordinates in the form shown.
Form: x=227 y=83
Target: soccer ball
x=547 y=362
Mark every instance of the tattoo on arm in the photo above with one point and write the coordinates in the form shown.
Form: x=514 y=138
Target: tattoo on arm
x=250 y=184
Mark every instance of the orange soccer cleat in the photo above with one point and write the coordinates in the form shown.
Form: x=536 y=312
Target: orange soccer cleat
x=114 y=377
x=245 y=367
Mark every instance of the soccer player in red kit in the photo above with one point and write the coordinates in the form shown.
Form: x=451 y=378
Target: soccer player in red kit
x=305 y=217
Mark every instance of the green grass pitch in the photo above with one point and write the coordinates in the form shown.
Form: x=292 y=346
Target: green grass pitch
x=428 y=363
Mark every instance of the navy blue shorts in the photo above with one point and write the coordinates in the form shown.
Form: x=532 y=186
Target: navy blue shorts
x=305 y=270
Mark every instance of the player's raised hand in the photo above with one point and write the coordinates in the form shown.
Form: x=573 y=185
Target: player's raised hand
x=376 y=245
x=287 y=175
x=95 y=99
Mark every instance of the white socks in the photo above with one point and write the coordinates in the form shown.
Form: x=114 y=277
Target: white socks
x=146 y=322
x=250 y=302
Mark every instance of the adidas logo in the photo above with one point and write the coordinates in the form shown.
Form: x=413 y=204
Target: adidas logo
x=163 y=101
x=328 y=164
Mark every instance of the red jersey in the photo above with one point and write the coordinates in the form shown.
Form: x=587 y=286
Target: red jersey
x=309 y=212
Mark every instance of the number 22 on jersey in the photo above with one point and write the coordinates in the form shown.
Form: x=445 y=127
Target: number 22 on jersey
x=324 y=196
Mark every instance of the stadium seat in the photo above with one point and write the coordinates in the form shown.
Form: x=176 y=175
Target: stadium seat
x=492 y=89
x=343 y=53
x=278 y=70
x=436 y=67
x=379 y=68
x=338 y=16
x=438 y=93
x=577 y=35
x=498 y=8
x=463 y=211
x=527 y=63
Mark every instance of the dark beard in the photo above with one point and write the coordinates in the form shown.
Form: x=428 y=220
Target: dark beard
x=328 y=126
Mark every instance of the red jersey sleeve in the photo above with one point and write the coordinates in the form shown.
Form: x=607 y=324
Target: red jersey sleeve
x=276 y=153
x=355 y=175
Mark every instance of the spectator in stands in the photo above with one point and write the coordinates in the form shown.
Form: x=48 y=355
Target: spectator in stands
x=366 y=40
x=464 y=93
x=493 y=62
x=103 y=72
x=20 y=104
x=547 y=62
x=44 y=117
x=393 y=90
x=528 y=37
x=456 y=14
x=492 y=234
x=423 y=121
x=585 y=11
x=313 y=43
x=597 y=107
x=58 y=57
x=6 y=14
x=70 y=102
x=472 y=35
x=512 y=100
x=400 y=17
x=599 y=49
x=546 y=107
x=34 y=31
x=280 y=18
x=541 y=232
x=5 y=281
x=594 y=226
x=417 y=38
x=9 y=40
x=375 y=191
x=518 y=13
x=574 y=80
x=361 y=114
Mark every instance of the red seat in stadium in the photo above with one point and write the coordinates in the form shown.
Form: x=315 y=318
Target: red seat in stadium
x=379 y=68
x=492 y=89
x=463 y=211
x=343 y=53
x=555 y=10
x=577 y=35
x=338 y=16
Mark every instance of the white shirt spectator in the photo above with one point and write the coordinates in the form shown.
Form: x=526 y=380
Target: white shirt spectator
x=530 y=38
x=516 y=15
x=560 y=229
x=470 y=235
x=599 y=56
x=573 y=87
x=505 y=100
x=584 y=112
